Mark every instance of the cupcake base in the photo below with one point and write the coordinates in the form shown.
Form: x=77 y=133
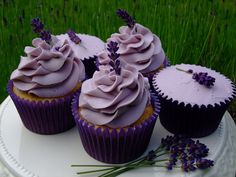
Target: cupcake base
x=191 y=121
x=44 y=117
x=115 y=145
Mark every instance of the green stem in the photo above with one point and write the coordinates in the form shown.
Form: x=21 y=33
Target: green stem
x=183 y=71
x=161 y=154
x=161 y=160
x=93 y=166
x=123 y=169
x=93 y=171
x=109 y=172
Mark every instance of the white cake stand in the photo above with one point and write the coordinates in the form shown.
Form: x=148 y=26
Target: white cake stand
x=26 y=154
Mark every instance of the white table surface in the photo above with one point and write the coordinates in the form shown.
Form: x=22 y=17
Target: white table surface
x=224 y=155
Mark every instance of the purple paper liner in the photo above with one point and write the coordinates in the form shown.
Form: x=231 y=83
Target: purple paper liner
x=44 y=117
x=90 y=65
x=188 y=120
x=111 y=145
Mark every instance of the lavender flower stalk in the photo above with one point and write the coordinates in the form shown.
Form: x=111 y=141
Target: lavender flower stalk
x=73 y=37
x=38 y=28
x=201 y=78
x=174 y=152
x=115 y=62
x=126 y=17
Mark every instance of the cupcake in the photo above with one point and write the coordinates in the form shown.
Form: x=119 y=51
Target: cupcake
x=115 y=112
x=138 y=47
x=193 y=99
x=43 y=85
x=85 y=47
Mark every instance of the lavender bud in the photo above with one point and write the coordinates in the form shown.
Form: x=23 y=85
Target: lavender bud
x=37 y=25
x=114 y=63
x=38 y=28
x=73 y=37
x=45 y=35
x=126 y=17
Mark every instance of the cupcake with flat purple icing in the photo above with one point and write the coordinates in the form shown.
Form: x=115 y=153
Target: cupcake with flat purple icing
x=138 y=47
x=193 y=99
x=86 y=48
x=115 y=112
x=43 y=85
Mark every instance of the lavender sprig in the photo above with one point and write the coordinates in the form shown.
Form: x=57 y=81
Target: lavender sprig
x=115 y=62
x=174 y=152
x=202 y=78
x=126 y=17
x=38 y=28
x=37 y=25
x=73 y=37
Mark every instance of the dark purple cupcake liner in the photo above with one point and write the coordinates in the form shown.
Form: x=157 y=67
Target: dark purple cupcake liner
x=192 y=121
x=90 y=65
x=44 y=117
x=113 y=146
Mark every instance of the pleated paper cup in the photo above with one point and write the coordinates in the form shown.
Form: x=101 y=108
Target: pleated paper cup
x=44 y=117
x=191 y=120
x=115 y=146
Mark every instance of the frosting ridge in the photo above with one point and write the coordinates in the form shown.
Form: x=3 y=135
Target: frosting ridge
x=114 y=100
x=139 y=47
x=48 y=71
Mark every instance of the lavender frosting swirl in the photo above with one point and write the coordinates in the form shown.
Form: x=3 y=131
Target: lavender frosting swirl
x=139 y=47
x=48 y=71
x=114 y=100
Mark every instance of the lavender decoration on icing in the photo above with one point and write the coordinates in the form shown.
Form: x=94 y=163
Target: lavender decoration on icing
x=37 y=25
x=73 y=36
x=38 y=28
x=114 y=62
x=126 y=17
x=138 y=46
x=202 y=77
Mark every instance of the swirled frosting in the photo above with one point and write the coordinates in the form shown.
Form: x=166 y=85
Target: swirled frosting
x=139 y=47
x=48 y=71
x=114 y=100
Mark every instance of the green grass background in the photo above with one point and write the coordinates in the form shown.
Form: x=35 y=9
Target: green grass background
x=192 y=31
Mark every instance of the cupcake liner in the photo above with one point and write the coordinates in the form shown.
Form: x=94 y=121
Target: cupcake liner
x=44 y=117
x=90 y=65
x=191 y=120
x=113 y=145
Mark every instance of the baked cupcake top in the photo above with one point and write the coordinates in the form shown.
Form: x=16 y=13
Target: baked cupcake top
x=138 y=46
x=115 y=96
x=49 y=69
x=189 y=84
x=83 y=45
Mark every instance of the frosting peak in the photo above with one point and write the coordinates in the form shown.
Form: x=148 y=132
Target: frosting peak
x=48 y=70
x=114 y=100
x=139 y=47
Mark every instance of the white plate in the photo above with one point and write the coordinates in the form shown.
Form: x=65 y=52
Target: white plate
x=27 y=154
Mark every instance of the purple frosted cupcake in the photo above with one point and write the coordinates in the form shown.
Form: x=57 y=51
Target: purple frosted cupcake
x=43 y=85
x=85 y=47
x=193 y=99
x=138 y=47
x=115 y=112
